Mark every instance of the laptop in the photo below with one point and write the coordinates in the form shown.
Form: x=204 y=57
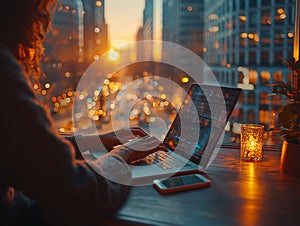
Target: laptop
x=193 y=135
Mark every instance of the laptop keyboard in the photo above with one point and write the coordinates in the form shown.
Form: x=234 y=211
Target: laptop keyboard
x=164 y=160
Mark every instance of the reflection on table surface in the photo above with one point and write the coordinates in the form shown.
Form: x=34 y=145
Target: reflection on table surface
x=241 y=193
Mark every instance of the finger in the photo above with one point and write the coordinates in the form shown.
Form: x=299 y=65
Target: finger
x=149 y=142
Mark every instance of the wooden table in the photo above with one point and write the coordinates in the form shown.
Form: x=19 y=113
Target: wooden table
x=241 y=193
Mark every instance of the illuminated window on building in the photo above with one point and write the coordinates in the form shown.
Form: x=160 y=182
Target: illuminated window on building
x=243 y=37
x=241 y=77
x=277 y=77
x=253 y=77
x=233 y=58
x=216 y=44
x=241 y=115
x=265 y=77
x=243 y=20
x=290 y=37
x=264 y=98
x=251 y=116
x=253 y=39
x=279 y=16
x=241 y=98
x=277 y=100
x=233 y=78
x=265 y=38
x=266 y=19
x=251 y=98
x=278 y=37
x=264 y=116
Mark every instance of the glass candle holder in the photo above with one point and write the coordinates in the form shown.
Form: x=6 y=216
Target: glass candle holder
x=251 y=142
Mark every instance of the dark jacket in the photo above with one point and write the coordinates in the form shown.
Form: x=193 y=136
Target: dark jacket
x=40 y=164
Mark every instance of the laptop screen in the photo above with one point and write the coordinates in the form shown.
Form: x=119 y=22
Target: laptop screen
x=204 y=112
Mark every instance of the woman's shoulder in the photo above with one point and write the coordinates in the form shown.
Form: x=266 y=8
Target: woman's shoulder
x=9 y=66
x=12 y=76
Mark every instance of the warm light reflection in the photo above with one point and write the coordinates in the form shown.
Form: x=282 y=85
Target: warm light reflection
x=157 y=49
x=250 y=191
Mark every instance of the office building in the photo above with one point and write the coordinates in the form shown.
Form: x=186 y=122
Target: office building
x=78 y=37
x=95 y=30
x=245 y=43
x=182 y=23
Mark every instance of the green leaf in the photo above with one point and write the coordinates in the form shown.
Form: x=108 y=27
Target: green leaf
x=288 y=115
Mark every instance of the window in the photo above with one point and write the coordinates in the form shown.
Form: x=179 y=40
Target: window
x=277 y=77
x=253 y=3
x=223 y=33
x=265 y=38
x=252 y=58
x=266 y=19
x=265 y=77
x=251 y=98
x=253 y=18
x=279 y=37
x=251 y=116
x=278 y=57
x=279 y=15
x=253 y=77
x=264 y=58
x=264 y=98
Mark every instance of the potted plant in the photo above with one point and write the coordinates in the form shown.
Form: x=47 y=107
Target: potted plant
x=289 y=119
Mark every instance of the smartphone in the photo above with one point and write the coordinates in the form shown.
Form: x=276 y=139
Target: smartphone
x=181 y=183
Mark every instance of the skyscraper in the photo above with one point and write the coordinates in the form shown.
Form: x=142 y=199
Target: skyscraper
x=245 y=42
x=148 y=16
x=77 y=38
x=183 y=23
x=95 y=30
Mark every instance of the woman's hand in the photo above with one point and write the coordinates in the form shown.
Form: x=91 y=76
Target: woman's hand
x=111 y=139
x=108 y=140
x=138 y=148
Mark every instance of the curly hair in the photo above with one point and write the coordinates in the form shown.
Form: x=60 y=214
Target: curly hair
x=24 y=25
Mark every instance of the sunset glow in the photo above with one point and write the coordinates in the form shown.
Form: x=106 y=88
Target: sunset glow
x=123 y=19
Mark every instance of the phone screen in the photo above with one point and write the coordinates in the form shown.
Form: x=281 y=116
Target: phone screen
x=181 y=181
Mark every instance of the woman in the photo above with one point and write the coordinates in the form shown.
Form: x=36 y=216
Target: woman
x=42 y=180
